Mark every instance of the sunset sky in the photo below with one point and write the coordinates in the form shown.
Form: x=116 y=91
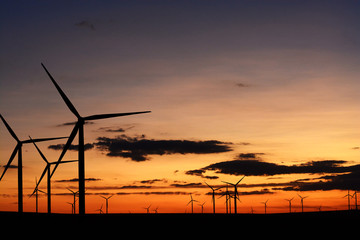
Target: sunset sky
x=266 y=89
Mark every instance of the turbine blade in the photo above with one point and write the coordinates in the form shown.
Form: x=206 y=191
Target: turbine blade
x=228 y=183
x=64 y=97
x=67 y=145
x=111 y=115
x=10 y=161
x=9 y=129
x=41 y=154
x=209 y=186
x=240 y=180
x=42 y=139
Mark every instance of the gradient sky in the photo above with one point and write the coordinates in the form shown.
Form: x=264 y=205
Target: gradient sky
x=266 y=81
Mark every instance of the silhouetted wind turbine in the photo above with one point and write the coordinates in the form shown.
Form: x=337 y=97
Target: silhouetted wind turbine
x=355 y=196
x=47 y=169
x=302 y=202
x=106 y=204
x=74 y=195
x=100 y=209
x=192 y=203
x=79 y=127
x=289 y=200
x=147 y=209
x=235 y=192
x=265 y=204
x=37 y=190
x=213 y=195
x=18 y=150
x=202 y=207
x=348 y=196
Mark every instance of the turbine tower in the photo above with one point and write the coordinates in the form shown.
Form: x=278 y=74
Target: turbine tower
x=47 y=170
x=235 y=193
x=18 y=150
x=79 y=128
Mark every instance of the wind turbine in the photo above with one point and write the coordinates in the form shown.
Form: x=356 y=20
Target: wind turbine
x=355 y=196
x=79 y=128
x=18 y=150
x=227 y=201
x=192 y=203
x=213 y=195
x=100 y=209
x=235 y=192
x=107 y=200
x=289 y=200
x=302 y=202
x=156 y=210
x=348 y=196
x=265 y=204
x=202 y=207
x=74 y=195
x=147 y=208
x=37 y=190
x=47 y=169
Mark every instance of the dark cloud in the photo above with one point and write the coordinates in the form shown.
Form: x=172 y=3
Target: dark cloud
x=138 y=148
x=346 y=181
x=108 y=129
x=260 y=168
x=200 y=173
x=152 y=181
x=72 y=147
x=85 y=24
x=188 y=185
x=76 y=180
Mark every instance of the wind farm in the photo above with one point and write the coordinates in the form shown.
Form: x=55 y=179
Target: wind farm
x=208 y=110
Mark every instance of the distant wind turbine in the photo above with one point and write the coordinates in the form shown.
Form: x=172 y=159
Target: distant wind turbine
x=18 y=150
x=147 y=209
x=289 y=200
x=107 y=202
x=213 y=195
x=79 y=128
x=355 y=196
x=192 y=203
x=302 y=202
x=100 y=209
x=202 y=207
x=235 y=192
x=47 y=169
x=265 y=204
x=74 y=195
x=348 y=196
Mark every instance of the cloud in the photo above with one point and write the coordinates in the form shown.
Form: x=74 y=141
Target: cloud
x=260 y=168
x=138 y=149
x=72 y=147
x=76 y=180
x=85 y=24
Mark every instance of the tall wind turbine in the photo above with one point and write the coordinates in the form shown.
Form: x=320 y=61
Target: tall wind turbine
x=289 y=200
x=47 y=169
x=79 y=127
x=107 y=202
x=235 y=193
x=18 y=150
x=302 y=202
x=147 y=209
x=192 y=203
x=213 y=195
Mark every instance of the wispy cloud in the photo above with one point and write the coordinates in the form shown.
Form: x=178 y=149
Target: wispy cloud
x=72 y=147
